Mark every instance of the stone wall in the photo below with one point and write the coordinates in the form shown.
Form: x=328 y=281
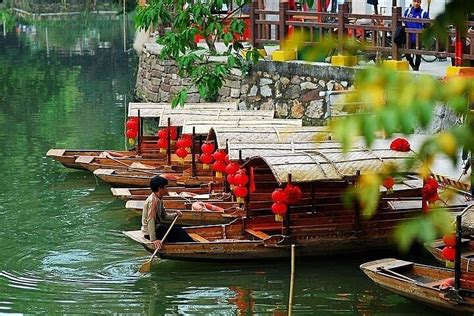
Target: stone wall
x=292 y=89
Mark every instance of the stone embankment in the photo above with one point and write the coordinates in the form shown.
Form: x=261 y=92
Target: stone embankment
x=291 y=89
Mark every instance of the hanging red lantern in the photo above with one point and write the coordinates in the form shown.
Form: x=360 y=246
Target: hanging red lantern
x=207 y=148
x=293 y=193
x=449 y=240
x=219 y=168
x=388 y=183
x=279 y=209
x=231 y=180
x=400 y=144
x=232 y=168
x=163 y=133
x=241 y=178
x=181 y=152
x=162 y=144
x=181 y=143
x=206 y=160
x=173 y=132
x=227 y=159
x=429 y=192
x=132 y=123
x=240 y=192
x=188 y=140
x=279 y=196
x=132 y=133
x=219 y=155
x=449 y=253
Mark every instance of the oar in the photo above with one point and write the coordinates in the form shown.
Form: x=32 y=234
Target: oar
x=147 y=265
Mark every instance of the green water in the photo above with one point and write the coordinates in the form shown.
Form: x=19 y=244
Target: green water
x=61 y=247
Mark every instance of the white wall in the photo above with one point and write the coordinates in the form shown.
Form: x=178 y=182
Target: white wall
x=361 y=6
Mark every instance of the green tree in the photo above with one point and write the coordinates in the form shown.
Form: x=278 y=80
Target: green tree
x=185 y=19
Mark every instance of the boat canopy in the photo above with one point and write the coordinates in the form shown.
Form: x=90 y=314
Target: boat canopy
x=203 y=127
x=155 y=109
x=273 y=134
x=178 y=117
x=330 y=163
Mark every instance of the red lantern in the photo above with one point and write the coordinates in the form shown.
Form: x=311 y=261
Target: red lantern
x=449 y=240
x=227 y=159
x=279 y=209
x=388 y=183
x=429 y=192
x=206 y=159
x=219 y=168
x=188 y=140
x=241 y=178
x=173 y=132
x=232 y=168
x=294 y=194
x=181 y=143
x=449 y=253
x=231 y=179
x=240 y=192
x=207 y=148
x=163 y=133
x=132 y=133
x=181 y=152
x=132 y=123
x=279 y=196
x=219 y=155
x=162 y=144
x=400 y=144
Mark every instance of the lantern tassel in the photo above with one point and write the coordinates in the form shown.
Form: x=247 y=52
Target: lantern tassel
x=205 y=167
x=218 y=174
x=278 y=218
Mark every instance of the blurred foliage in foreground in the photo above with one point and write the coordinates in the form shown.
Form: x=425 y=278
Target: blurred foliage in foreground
x=398 y=102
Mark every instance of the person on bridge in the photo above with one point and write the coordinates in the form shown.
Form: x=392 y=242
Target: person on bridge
x=415 y=11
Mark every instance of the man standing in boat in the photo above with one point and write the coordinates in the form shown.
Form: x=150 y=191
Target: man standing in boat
x=155 y=217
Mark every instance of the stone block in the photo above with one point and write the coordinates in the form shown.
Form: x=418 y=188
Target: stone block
x=284 y=81
x=297 y=109
x=265 y=81
x=235 y=93
x=267 y=105
x=165 y=87
x=266 y=91
x=281 y=109
x=155 y=81
x=310 y=95
x=253 y=91
x=193 y=98
x=308 y=86
x=232 y=84
x=225 y=92
x=315 y=109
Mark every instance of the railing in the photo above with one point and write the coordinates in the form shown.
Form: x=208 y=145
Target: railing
x=374 y=36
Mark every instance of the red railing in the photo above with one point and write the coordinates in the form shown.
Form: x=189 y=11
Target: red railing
x=272 y=27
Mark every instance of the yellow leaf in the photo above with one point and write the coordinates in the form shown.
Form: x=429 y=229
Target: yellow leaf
x=448 y=143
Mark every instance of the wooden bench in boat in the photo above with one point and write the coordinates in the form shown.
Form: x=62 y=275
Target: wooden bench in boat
x=137 y=235
x=197 y=237
x=257 y=233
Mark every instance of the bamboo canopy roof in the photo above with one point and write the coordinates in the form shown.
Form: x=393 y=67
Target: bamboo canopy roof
x=273 y=134
x=249 y=150
x=178 y=117
x=203 y=127
x=155 y=109
x=329 y=163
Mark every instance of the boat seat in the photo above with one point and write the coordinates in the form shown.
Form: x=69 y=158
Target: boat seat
x=258 y=234
x=197 y=237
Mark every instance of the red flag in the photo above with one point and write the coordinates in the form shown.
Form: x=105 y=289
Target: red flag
x=251 y=180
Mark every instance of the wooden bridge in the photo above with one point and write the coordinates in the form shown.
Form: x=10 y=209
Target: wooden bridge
x=273 y=26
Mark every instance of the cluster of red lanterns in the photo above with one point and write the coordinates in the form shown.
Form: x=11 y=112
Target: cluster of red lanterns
x=206 y=157
x=449 y=250
x=429 y=193
x=400 y=144
x=163 y=137
x=281 y=198
x=183 y=147
x=132 y=126
x=220 y=162
x=240 y=181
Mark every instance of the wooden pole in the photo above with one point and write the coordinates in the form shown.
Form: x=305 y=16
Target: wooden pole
x=253 y=24
x=225 y=184
x=168 y=150
x=342 y=21
x=288 y=213
x=292 y=281
x=283 y=7
x=139 y=136
x=396 y=15
x=457 y=259
x=193 y=154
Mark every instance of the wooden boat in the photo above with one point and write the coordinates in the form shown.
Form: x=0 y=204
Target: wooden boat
x=432 y=286
x=141 y=178
x=67 y=157
x=149 y=109
x=127 y=194
x=467 y=253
